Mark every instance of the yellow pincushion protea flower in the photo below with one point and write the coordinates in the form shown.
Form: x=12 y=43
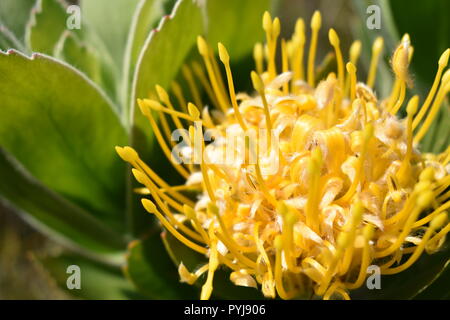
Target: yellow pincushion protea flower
x=339 y=185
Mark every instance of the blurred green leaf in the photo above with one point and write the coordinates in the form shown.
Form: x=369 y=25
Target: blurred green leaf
x=151 y=270
x=110 y=20
x=51 y=213
x=243 y=21
x=15 y=14
x=48 y=22
x=163 y=54
x=63 y=130
x=79 y=55
x=8 y=40
x=148 y=12
x=98 y=281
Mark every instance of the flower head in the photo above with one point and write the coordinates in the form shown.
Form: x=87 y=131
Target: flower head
x=307 y=182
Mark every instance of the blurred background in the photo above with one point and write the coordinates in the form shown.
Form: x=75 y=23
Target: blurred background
x=21 y=275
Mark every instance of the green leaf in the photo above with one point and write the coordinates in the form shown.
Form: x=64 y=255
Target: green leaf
x=51 y=213
x=14 y=14
x=97 y=280
x=8 y=40
x=63 y=130
x=243 y=21
x=164 y=53
x=47 y=23
x=439 y=288
x=151 y=270
x=79 y=55
x=110 y=20
x=148 y=12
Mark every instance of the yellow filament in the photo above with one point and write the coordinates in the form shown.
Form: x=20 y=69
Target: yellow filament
x=165 y=128
x=404 y=172
x=263 y=253
x=188 y=277
x=445 y=88
x=198 y=133
x=444 y=231
x=225 y=58
x=204 y=52
x=343 y=242
x=213 y=264
x=430 y=217
x=258 y=55
x=350 y=233
x=272 y=29
x=130 y=155
x=289 y=219
x=422 y=202
x=164 y=97
x=368 y=234
x=150 y=207
x=191 y=215
x=214 y=210
x=354 y=52
x=399 y=216
x=263 y=186
x=299 y=47
x=394 y=94
x=218 y=74
x=377 y=48
x=443 y=61
x=178 y=92
x=187 y=74
x=400 y=100
x=258 y=84
x=334 y=40
x=351 y=69
x=279 y=272
x=285 y=66
x=316 y=23
x=155 y=105
x=235 y=251
x=200 y=74
x=182 y=171
x=436 y=223
x=444 y=197
x=336 y=288
x=367 y=136
x=443 y=184
x=142 y=178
